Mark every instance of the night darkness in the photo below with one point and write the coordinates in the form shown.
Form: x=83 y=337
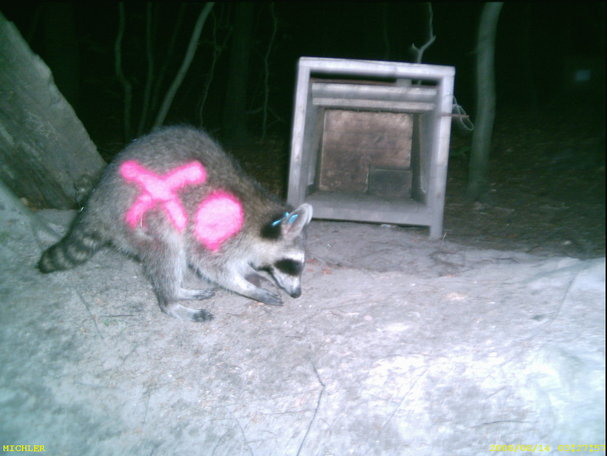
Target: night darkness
x=536 y=42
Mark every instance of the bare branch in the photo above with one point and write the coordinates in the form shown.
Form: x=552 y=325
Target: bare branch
x=149 y=57
x=218 y=49
x=419 y=52
x=266 y=65
x=168 y=55
x=185 y=65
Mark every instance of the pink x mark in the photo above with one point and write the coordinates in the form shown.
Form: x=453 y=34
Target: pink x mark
x=161 y=189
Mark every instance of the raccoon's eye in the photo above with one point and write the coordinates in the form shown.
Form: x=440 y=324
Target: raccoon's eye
x=289 y=267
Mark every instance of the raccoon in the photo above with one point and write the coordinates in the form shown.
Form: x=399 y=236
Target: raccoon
x=174 y=199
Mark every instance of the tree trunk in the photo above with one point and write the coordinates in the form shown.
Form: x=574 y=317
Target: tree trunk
x=485 y=101
x=45 y=152
x=234 y=114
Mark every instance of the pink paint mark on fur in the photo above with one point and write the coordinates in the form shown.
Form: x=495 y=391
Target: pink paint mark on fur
x=161 y=190
x=218 y=218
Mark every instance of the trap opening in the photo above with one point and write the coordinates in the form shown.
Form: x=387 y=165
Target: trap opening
x=370 y=140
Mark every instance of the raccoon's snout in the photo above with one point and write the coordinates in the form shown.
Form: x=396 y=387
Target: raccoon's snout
x=292 y=289
x=295 y=293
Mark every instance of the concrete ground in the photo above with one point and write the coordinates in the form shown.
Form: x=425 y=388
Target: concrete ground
x=398 y=346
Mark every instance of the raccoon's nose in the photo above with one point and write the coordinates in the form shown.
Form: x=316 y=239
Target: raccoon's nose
x=296 y=293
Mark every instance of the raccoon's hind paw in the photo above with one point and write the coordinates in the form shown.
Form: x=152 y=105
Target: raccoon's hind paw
x=185 y=313
x=201 y=315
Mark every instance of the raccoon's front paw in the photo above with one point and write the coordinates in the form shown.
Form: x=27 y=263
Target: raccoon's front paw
x=270 y=298
x=203 y=294
x=257 y=280
x=187 y=294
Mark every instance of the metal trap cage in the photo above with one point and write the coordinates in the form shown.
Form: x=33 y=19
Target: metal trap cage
x=370 y=141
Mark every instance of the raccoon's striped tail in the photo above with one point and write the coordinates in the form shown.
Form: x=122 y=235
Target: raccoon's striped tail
x=75 y=248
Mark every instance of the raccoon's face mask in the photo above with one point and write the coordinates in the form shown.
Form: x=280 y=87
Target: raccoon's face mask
x=287 y=274
x=287 y=235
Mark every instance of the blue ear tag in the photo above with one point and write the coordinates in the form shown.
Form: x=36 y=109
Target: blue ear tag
x=278 y=221
x=290 y=218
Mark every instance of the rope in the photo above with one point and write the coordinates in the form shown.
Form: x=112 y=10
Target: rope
x=461 y=116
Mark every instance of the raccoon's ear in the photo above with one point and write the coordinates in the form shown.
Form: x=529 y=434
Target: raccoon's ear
x=293 y=224
x=287 y=224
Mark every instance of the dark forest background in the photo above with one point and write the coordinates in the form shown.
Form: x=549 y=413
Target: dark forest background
x=545 y=185
x=543 y=51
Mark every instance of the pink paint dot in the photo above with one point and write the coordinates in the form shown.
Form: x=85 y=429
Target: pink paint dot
x=217 y=219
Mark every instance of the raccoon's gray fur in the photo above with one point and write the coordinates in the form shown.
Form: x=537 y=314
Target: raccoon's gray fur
x=271 y=238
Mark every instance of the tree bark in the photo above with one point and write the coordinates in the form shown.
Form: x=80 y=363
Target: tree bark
x=45 y=152
x=485 y=101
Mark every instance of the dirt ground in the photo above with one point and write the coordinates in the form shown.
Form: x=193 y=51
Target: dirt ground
x=493 y=335
x=547 y=183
